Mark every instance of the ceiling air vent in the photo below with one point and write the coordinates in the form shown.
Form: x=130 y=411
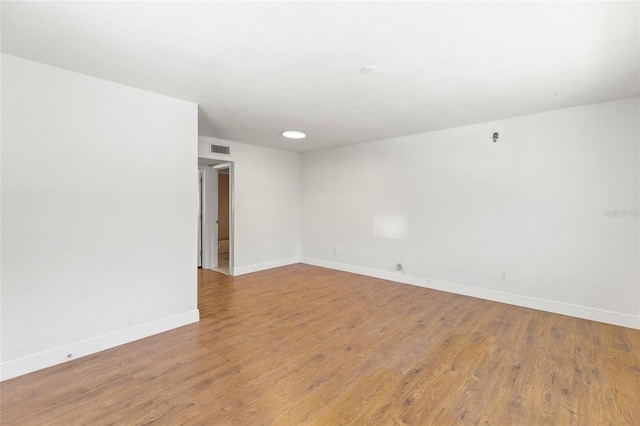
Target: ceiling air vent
x=220 y=149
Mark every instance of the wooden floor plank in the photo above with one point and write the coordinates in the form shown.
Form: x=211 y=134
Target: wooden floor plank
x=312 y=346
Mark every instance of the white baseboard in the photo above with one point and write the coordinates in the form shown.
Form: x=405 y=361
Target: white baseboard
x=263 y=266
x=583 y=312
x=376 y=273
x=56 y=356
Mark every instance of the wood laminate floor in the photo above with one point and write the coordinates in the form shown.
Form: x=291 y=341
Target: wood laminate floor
x=302 y=345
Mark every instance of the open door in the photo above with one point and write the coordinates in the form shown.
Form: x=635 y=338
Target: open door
x=210 y=218
x=200 y=211
x=224 y=239
x=216 y=240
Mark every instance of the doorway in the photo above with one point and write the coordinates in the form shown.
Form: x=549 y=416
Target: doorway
x=215 y=218
x=223 y=221
x=200 y=215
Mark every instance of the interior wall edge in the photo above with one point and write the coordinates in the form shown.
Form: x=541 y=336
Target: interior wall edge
x=583 y=312
x=31 y=363
x=264 y=266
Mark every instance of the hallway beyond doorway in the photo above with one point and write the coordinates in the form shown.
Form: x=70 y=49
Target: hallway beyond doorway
x=223 y=263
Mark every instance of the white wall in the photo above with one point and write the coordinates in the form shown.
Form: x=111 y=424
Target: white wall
x=267 y=204
x=533 y=204
x=99 y=200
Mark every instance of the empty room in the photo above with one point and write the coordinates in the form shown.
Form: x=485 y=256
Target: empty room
x=320 y=213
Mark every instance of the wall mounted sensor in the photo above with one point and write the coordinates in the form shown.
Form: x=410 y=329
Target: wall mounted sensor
x=495 y=136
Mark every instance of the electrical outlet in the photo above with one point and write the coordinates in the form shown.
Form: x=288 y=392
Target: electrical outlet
x=335 y=251
x=399 y=267
x=504 y=276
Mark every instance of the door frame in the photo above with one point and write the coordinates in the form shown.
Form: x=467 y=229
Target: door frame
x=200 y=216
x=210 y=218
x=210 y=213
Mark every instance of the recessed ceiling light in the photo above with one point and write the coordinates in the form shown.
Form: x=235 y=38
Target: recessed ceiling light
x=294 y=134
x=366 y=70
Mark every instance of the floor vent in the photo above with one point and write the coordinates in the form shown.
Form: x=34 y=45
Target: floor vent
x=220 y=149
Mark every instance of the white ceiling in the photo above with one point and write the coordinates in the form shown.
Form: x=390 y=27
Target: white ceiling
x=256 y=69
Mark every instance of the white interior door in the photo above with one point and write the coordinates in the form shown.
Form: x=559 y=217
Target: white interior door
x=208 y=234
x=210 y=219
x=200 y=210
